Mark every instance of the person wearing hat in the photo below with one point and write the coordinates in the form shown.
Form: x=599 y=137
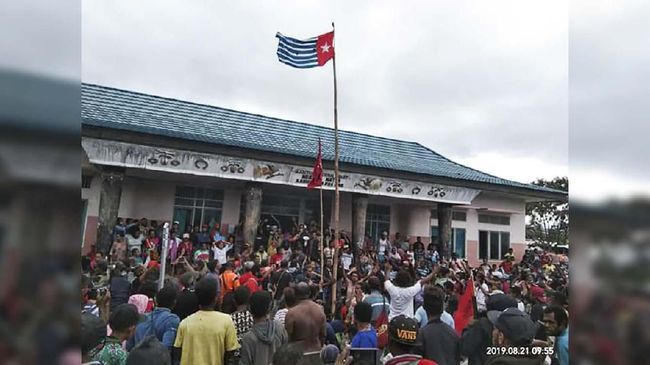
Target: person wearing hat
x=123 y=321
x=402 y=334
x=329 y=354
x=512 y=328
x=93 y=335
x=476 y=338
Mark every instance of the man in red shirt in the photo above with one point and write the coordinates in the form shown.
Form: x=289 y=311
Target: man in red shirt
x=277 y=257
x=185 y=247
x=248 y=278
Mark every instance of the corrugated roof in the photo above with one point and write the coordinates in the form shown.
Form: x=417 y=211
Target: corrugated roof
x=112 y=108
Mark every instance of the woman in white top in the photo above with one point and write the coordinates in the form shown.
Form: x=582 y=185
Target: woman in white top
x=402 y=291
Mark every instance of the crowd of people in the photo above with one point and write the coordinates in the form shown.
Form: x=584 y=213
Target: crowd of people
x=399 y=301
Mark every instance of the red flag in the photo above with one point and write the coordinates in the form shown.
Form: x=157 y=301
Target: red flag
x=465 y=311
x=325 y=48
x=317 y=174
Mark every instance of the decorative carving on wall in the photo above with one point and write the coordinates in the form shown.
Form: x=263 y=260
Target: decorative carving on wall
x=201 y=163
x=416 y=190
x=437 y=192
x=233 y=166
x=394 y=187
x=163 y=158
x=268 y=171
x=369 y=183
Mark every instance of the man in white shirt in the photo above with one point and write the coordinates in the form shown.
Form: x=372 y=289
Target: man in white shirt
x=134 y=241
x=383 y=246
x=220 y=251
x=402 y=293
x=482 y=291
x=346 y=258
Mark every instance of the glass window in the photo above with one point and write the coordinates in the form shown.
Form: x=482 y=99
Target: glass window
x=458 y=235
x=195 y=206
x=505 y=243
x=482 y=244
x=459 y=216
x=494 y=219
x=493 y=245
x=377 y=220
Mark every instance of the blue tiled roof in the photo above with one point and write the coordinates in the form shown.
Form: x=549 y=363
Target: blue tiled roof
x=131 y=111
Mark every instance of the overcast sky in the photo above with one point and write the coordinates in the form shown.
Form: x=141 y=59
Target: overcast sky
x=483 y=83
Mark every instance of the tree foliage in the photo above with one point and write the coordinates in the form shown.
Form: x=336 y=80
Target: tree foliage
x=549 y=221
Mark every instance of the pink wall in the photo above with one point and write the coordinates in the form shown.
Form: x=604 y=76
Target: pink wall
x=90 y=235
x=472 y=253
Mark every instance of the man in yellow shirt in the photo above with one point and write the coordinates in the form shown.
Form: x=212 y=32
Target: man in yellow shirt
x=207 y=336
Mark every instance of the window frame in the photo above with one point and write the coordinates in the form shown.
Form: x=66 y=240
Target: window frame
x=489 y=233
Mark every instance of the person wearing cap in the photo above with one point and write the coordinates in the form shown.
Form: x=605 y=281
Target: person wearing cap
x=476 y=338
x=402 y=334
x=248 y=278
x=123 y=321
x=185 y=247
x=512 y=328
x=329 y=354
x=93 y=335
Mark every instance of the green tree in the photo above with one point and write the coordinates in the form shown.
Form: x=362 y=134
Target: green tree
x=548 y=223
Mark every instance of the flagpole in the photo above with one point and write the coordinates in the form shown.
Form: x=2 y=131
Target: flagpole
x=320 y=240
x=336 y=184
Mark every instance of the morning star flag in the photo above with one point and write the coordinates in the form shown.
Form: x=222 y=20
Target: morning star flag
x=317 y=174
x=465 y=311
x=312 y=52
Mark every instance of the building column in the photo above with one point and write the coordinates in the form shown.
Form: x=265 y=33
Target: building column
x=359 y=210
x=252 y=211
x=109 y=205
x=444 y=228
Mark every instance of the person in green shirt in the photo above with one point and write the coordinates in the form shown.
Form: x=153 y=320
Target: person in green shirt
x=122 y=321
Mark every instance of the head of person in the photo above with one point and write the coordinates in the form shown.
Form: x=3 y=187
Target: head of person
x=403 y=278
x=260 y=304
x=186 y=237
x=187 y=280
x=166 y=297
x=93 y=334
x=284 y=264
x=511 y=328
x=362 y=313
x=206 y=292
x=329 y=354
x=212 y=266
x=228 y=266
x=374 y=284
x=149 y=352
x=242 y=295
x=556 y=320
x=384 y=234
x=500 y=302
x=123 y=320
x=152 y=233
x=434 y=299
x=354 y=277
x=302 y=291
x=402 y=332
x=289 y=297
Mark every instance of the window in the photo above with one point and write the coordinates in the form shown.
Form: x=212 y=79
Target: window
x=459 y=216
x=377 y=220
x=280 y=210
x=457 y=242
x=194 y=206
x=86 y=180
x=456 y=215
x=493 y=245
x=503 y=220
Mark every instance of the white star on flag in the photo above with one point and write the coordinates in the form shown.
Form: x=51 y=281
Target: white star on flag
x=326 y=48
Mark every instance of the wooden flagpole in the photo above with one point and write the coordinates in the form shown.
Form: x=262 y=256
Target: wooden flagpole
x=336 y=184
x=320 y=240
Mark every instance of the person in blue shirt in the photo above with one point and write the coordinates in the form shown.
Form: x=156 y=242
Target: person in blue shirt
x=423 y=319
x=556 y=321
x=161 y=322
x=366 y=337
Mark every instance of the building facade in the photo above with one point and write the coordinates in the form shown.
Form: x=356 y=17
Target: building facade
x=163 y=159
